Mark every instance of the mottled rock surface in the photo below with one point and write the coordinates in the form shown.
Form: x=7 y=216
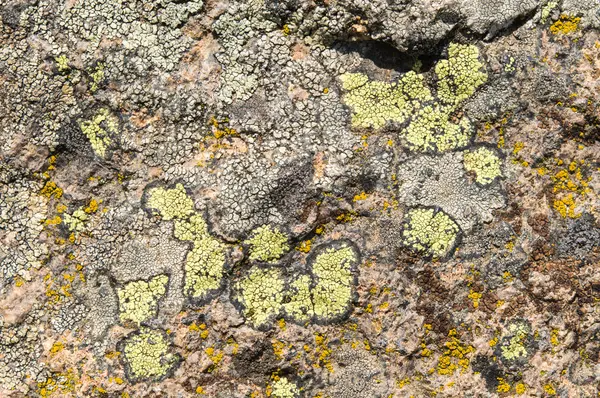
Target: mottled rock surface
x=299 y=198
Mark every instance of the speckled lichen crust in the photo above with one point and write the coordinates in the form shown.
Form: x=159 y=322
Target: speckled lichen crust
x=146 y=355
x=299 y=305
x=205 y=263
x=333 y=267
x=75 y=222
x=442 y=182
x=516 y=343
x=138 y=300
x=261 y=294
x=283 y=388
x=425 y=119
x=98 y=130
x=485 y=163
x=267 y=244
x=204 y=267
x=430 y=231
x=170 y=203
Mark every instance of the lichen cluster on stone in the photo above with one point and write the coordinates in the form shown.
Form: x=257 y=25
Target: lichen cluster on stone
x=146 y=354
x=429 y=231
x=267 y=244
x=138 y=300
x=98 y=130
x=484 y=163
x=425 y=119
x=283 y=388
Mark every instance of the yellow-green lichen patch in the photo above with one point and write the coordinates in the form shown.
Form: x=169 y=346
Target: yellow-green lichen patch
x=460 y=75
x=283 y=388
x=171 y=203
x=432 y=131
x=98 y=129
x=192 y=229
x=484 y=162
x=514 y=347
x=429 y=231
x=267 y=244
x=299 y=306
x=204 y=267
x=62 y=63
x=261 y=295
x=138 y=300
x=374 y=103
x=146 y=355
x=76 y=221
x=427 y=119
x=332 y=268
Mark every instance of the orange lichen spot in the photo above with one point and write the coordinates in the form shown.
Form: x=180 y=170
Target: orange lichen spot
x=50 y=189
x=304 y=246
x=549 y=389
x=60 y=208
x=520 y=388
x=200 y=390
x=554 y=337
x=92 y=207
x=361 y=196
x=503 y=386
x=518 y=147
x=566 y=207
x=53 y=221
x=281 y=324
x=565 y=25
x=476 y=297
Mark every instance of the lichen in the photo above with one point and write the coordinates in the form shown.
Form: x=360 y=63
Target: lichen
x=76 y=221
x=138 y=300
x=515 y=346
x=170 y=203
x=429 y=231
x=267 y=244
x=283 y=388
x=484 y=162
x=146 y=355
x=261 y=293
x=333 y=273
x=299 y=306
x=204 y=267
x=98 y=131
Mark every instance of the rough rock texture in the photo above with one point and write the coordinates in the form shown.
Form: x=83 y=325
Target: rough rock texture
x=299 y=198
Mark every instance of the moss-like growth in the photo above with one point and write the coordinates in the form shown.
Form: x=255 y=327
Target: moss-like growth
x=485 y=163
x=332 y=268
x=171 y=203
x=146 y=355
x=267 y=244
x=138 y=300
x=261 y=294
x=98 y=130
x=204 y=267
x=283 y=388
x=429 y=231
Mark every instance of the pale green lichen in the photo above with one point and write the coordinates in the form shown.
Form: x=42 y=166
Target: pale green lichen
x=332 y=293
x=76 y=221
x=138 y=300
x=427 y=119
x=97 y=76
x=192 y=229
x=484 y=162
x=299 y=306
x=171 y=203
x=547 y=10
x=267 y=244
x=375 y=103
x=204 y=267
x=261 y=294
x=62 y=63
x=515 y=349
x=98 y=135
x=431 y=232
x=146 y=354
x=283 y=388
x=460 y=75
